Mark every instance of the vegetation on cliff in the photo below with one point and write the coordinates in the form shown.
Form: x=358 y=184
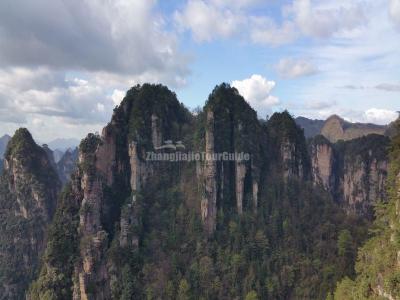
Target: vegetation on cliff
x=127 y=228
x=377 y=266
x=28 y=193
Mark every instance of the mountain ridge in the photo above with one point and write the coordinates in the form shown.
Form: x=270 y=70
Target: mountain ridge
x=217 y=217
x=126 y=227
x=335 y=128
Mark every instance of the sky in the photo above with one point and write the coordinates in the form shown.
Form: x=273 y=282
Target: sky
x=64 y=65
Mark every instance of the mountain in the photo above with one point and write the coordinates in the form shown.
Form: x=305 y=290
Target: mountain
x=63 y=144
x=311 y=127
x=378 y=260
x=137 y=220
x=66 y=165
x=29 y=189
x=336 y=128
x=3 y=144
x=354 y=171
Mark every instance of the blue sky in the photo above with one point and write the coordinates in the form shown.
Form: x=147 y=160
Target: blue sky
x=65 y=65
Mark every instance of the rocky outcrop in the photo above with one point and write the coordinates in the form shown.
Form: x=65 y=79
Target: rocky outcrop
x=111 y=173
x=122 y=216
x=292 y=165
x=363 y=184
x=29 y=189
x=287 y=148
x=322 y=163
x=231 y=127
x=209 y=201
x=354 y=172
x=156 y=134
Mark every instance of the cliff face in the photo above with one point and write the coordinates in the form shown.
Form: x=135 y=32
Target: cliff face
x=132 y=227
x=287 y=148
x=378 y=265
x=112 y=171
x=354 y=172
x=322 y=161
x=231 y=126
x=29 y=190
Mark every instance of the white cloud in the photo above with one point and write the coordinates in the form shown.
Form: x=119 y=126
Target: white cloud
x=394 y=11
x=291 y=68
x=100 y=107
x=207 y=21
x=46 y=93
x=63 y=65
x=211 y=19
x=380 y=116
x=257 y=91
x=266 y=32
x=117 y=96
x=322 y=20
x=121 y=37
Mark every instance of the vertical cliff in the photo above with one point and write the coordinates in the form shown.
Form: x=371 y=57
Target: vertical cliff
x=287 y=148
x=29 y=189
x=231 y=127
x=209 y=200
x=354 y=171
x=105 y=191
x=130 y=227
x=378 y=265
x=322 y=162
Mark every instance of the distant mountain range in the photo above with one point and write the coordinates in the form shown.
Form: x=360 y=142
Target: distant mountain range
x=311 y=127
x=336 y=128
x=63 y=144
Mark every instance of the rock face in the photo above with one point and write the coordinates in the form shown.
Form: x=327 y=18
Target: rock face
x=29 y=189
x=117 y=159
x=288 y=149
x=231 y=126
x=354 y=172
x=209 y=201
x=111 y=172
x=335 y=129
x=322 y=162
x=378 y=260
x=117 y=197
